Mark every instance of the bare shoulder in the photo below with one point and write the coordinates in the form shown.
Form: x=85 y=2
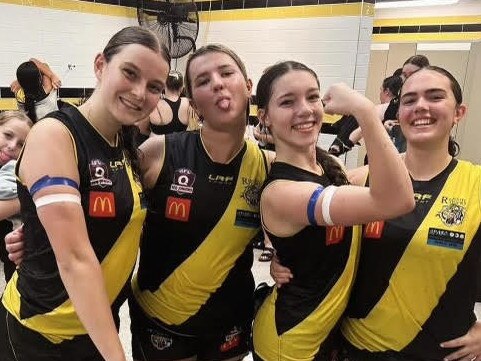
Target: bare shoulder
x=152 y=159
x=358 y=176
x=39 y=152
x=49 y=128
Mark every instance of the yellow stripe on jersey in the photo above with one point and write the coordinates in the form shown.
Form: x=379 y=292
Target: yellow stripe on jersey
x=184 y=292
x=421 y=276
x=62 y=323
x=302 y=342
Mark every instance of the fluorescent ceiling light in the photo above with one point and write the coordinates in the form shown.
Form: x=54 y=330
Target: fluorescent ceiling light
x=379 y=46
x=444 y=46
x=412 y=3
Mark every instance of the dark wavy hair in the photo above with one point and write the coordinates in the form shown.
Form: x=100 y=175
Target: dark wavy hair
x=419 y=60
x=392 y=83
x=263 y=95
x=30 y=79
x=453 y=146
x=127 y=36
x=175 y=81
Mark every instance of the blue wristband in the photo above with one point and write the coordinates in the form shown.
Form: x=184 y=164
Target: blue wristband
x=311 y=206
x=47 y=181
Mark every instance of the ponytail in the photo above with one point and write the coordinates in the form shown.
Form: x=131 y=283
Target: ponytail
x=453 y=147
x=128 y=136
x=331 y=167
x=29 y=106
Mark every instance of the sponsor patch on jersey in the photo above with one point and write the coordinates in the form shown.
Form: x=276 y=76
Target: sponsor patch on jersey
x=220 y=179
x=251 y=193
x=99 y=174
x=453 y=211
x=445 y=238
x=247 y=219
x=334 y=234
x=177 y=209
x=102 y=204
x=422 y=198
x=116 y=165
x=160 y=341
x=231 y=340
x=183 y=181
x=373 y=230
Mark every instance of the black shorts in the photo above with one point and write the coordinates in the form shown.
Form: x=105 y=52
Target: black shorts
x=152 y=340
x=19 y=343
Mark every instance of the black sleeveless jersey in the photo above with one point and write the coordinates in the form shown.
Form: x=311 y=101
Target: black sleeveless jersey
x=173 y=126
x=196 y=255
x=111 y=204
x=417 y=277
x=296 y=319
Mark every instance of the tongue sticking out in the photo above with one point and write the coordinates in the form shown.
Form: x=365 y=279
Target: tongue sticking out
x=224 y=104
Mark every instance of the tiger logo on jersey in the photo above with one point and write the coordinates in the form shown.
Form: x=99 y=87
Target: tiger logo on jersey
x=452 y=214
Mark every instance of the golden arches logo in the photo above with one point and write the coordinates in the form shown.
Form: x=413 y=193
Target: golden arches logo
x=102 y=204
x=177 y=209
x=374 y=229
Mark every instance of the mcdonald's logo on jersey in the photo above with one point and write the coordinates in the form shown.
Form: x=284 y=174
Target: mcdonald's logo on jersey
x=334 y=234
x=102 y=204
x=374 y=229
x=177 y=209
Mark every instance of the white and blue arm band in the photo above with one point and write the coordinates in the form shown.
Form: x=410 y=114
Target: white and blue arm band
x=47 y=181
x=57 y=198
x=326 y=204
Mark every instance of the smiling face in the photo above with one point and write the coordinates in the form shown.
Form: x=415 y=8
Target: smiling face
x=294 y=111
x=12 y=136
x=428 y=109
x=130 y=83
x=219 y=90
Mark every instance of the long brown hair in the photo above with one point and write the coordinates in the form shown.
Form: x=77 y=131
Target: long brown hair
x=127 y=36
x=263 y=95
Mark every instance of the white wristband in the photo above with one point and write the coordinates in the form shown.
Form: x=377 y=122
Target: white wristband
x=57 y=198
x=326 y=204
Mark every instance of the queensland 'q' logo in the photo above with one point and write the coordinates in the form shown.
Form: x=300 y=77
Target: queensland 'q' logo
x=99 y=174
x=183 y=181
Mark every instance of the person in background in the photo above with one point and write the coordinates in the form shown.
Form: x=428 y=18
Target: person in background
x=14 y=127
x=412 y=64
x=36 y=89
x=307 y=209
x=173 y=111
x=83 y=212
x=349 y=131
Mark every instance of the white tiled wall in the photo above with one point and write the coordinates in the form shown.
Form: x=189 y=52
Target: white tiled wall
x=337 y=48
x=57 y=37
x=328 y=45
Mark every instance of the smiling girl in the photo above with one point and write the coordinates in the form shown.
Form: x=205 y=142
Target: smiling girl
x=306 y=204
x=14 y=127
x=80 y=201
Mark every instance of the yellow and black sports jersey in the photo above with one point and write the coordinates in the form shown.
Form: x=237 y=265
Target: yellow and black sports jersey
x=295 y=320
x=415 y=286
x=111 y=204
x=194 y=273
